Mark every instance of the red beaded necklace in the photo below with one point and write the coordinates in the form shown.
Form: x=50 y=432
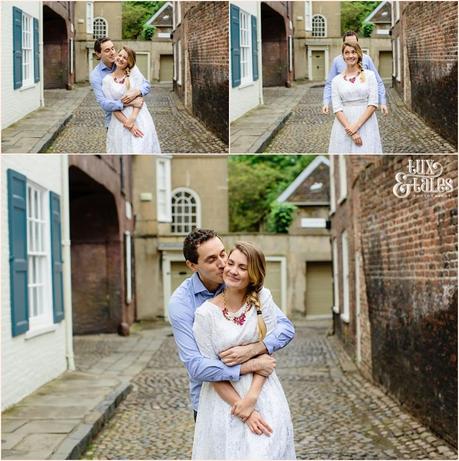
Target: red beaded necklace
x=238 y=320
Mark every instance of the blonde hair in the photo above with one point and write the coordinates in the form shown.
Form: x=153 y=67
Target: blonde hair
x=256 y=268
x=131 y=59
x=359 y=52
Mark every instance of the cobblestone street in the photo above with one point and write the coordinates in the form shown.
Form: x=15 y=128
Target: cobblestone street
x=336 y=414
x=178 y=131
x=308 y=130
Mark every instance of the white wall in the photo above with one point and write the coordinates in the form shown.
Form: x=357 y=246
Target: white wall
x=245 y=98
x=17 y=103
x=27 y=363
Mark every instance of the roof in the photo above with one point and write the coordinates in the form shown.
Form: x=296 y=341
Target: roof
x=162 y=17
x=378 y=15
x=311 y=185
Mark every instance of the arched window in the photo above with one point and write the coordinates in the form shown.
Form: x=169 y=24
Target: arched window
x=319 y=26
x=100 y=28
x=186 y=211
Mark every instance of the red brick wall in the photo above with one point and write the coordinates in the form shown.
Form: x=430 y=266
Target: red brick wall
x=430 y=31
x=409 y=248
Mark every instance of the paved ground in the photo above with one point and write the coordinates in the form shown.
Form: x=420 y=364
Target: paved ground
x=308 y=130
x=178 y=131
x=336 y=414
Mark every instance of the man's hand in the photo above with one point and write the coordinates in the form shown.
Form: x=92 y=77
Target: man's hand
x=136 y=132
x=138 y=102
x=130 y=96
x=258 y=425
x=325 y=110
x=263 y=365
x=129 y=123
x=241 y=354
x=244 y=408
x=384 y=109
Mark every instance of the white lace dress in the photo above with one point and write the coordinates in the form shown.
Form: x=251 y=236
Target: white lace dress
x=353 y=99
x=218 y=434
x=119 y=139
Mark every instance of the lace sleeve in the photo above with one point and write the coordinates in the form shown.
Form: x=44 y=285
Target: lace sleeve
x=202 y=330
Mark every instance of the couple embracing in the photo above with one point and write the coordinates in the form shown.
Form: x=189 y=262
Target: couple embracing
x=226 y=326
x=119 y=88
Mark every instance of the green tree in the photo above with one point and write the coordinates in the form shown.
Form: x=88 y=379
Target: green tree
x=280 y=217
x=135 y=14
x=354 y=13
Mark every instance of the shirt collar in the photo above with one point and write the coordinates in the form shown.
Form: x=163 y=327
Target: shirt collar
x=199 y=287
x=103 y=66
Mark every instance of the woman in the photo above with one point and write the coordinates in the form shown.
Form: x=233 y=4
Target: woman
x=263 y=427
x=131 y=131
x=355 y=100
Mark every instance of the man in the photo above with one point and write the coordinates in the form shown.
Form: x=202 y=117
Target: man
x=205 y=255
x=339 y=65
x=105 y=51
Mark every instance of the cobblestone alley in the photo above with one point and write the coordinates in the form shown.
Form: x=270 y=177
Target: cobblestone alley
x=308 y=130
x=178 y=131
x=336 y=414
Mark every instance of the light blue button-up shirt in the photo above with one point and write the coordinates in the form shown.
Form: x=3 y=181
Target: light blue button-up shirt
x=339 y=65
x=109 y=105
x=182 y=306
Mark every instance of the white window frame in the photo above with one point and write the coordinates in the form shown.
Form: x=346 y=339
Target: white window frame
x=392 y=14
x=335 y=276
x=397 y=11
x=163 y=190
x=245 y=41
x=94 y=27
x=358 y=330
x=38 y=230
x=394 y=59
x=186 y=228
x=308 y=15
x=312 y=49
x=89 y=17
x=399 y=60
x=324 y=25
x=332 y=185
x=342 y=177
x=178 y=62
x=128 y=266
x=345 y=315
x=27 y=50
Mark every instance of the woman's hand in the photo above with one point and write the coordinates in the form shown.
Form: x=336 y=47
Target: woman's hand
x=243 y=408
x=136 y=132
x=129 y=123
x=357 y=139
x=351 y=129
x=257 y=425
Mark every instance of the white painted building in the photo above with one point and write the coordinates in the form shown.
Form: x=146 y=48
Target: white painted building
x=246 y=82
x=22 y=59
x=36 y=300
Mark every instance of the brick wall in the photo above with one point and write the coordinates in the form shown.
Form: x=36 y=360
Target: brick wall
x=207 y=48
x=430 y=31
x=409 y=250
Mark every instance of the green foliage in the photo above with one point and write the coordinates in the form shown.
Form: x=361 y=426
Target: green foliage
x=353 y=15
x=367 y=29
x=280 y=217
x=135 y=14
x=254 y=182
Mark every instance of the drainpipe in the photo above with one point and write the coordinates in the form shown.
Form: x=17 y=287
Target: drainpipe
x=66 y=267
x=40 y=45
x=260 y=57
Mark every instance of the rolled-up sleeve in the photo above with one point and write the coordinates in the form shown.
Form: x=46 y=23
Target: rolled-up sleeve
x=199 y=368
x=144 y=85
x=336 y=98
x=373 y=87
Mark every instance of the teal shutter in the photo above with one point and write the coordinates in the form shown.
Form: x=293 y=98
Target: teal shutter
x=36 y=51
x=254 y=48
x=17 y=47
x=17 y=227
x=56 y=257
x=235 y=47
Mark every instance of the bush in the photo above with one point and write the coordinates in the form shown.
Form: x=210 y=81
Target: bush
x=367 y=29
x=280 y=217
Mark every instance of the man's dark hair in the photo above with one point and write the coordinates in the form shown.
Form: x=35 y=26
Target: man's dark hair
x=193 y=240
x=98 y=43
x=350 y=33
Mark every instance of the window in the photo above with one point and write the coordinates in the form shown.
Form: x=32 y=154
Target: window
x=38 y=257
x=186 y=211
x=345 y=269
x=27 y=50
x=89 y=17
x=163 y=190
x=308 y=15
x=319 y=27
x=178 y=63
x=399 y=60
x=246 y=48
x=100 y=28
x=342 y=178
x=332 y=185
x=394 y=59
x=335 y=277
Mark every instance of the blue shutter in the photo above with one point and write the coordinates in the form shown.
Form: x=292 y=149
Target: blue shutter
x=17 y=227
x=56 y=257
x=254 y=49
x=235 y=47
x=36 y=51
x=17 y=47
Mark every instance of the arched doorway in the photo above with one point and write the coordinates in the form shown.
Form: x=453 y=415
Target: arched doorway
x=274 y=47
x=55 y=50
x=96 y=256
